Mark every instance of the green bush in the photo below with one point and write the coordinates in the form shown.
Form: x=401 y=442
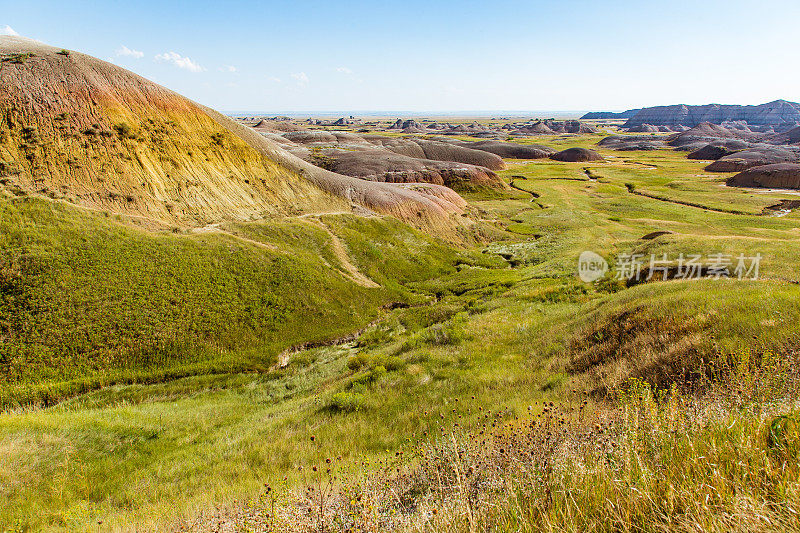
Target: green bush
x=450 y=333
x=357 y=362
x=367 y=377
x=375 y=337
x=124 y=130
x=392 y=363
x=346 y=402
x=373 y=361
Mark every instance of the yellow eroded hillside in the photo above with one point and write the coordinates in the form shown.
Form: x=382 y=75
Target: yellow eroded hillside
x=85 y=131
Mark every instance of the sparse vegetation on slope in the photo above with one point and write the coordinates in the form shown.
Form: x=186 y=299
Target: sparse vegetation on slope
x=87 y=302
x=504 y=326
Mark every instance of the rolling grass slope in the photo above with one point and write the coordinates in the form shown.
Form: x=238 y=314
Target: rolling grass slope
x=488 y=331
x=86 y=301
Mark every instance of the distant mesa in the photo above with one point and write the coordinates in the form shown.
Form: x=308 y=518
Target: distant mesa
x=406 y=124
x=553 y=127
x=610 y=115
x=475 y=129
x=772 y=116
x=346 y=121
x=777 y=176
x=574 y=155
x=342 y=121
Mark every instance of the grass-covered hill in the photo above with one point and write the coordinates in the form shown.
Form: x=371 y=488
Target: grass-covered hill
x=86 y=301
x=666 y=405
x=195 y=326
x=145 y=238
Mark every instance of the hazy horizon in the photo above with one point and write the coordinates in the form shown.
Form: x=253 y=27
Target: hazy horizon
x=445 y=57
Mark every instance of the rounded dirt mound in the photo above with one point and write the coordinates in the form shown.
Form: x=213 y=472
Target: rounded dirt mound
x=511 y=150
x=440 y=151
x=710 y=152
x=385 y=166
x=754 y=157
x=632 y=143
x=644 y=128
x=576 y=155
x=779 y=176
x=268 y=125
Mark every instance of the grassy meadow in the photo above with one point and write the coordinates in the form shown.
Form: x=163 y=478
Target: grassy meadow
x=491 y=389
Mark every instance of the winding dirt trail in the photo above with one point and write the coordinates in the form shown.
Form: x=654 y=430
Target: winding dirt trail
x=351 y=271
x=215 y=228
x=347 y=268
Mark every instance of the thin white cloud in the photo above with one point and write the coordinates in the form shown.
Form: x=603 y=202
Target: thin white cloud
x=275 y=79
x=301 y=78
x=344 y=70
x=179 y=61
x=228 y=68
x=7 y=30
x=127 y=52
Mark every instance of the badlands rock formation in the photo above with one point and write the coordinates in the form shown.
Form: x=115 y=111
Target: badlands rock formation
x=632 y=142
x=780 y=114
x=574 y=155
x=78 y=129
x=779 y=176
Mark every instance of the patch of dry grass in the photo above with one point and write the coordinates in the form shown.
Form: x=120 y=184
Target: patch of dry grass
x=725 y=459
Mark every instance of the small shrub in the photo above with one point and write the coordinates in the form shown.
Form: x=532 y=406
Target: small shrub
x=218 y=139
x=450 y=333
x=124 y=130
x=17 y=59
x=553 y=382
x=7 y=168
x=357 y=362
x=363 y=379
x=392 y=363
x=631 y=187
x=377 y=373
x=609 y=284
x=346 y=402
x=63 y=52
x=375 y=337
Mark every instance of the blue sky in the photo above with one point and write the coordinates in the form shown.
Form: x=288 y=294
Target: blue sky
x=428 y=56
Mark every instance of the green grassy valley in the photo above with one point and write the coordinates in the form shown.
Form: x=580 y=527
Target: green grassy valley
x=144 y=307
x=170 y=400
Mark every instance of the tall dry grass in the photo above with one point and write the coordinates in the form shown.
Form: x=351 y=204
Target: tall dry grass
x=723 y=457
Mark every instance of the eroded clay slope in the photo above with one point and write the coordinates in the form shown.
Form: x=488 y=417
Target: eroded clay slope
x=76 y=128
